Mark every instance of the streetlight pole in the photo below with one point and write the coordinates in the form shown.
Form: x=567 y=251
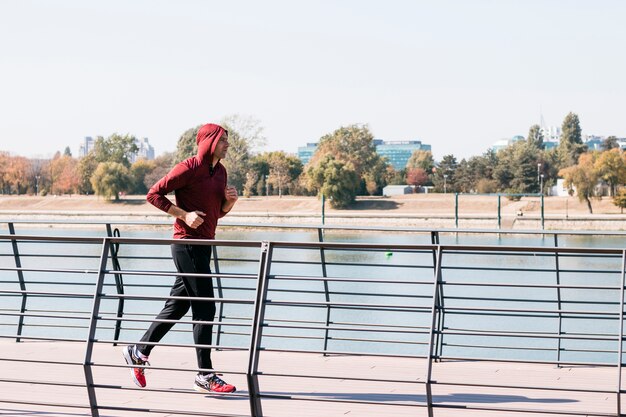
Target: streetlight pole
x=541 y=185
x=37 y=184
x=538 y=175
x=445 y=178
x=267 y=186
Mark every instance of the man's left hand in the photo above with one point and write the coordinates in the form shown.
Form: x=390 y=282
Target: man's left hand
x=231 y=194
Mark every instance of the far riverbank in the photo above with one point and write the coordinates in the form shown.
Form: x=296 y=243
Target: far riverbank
x=418 y=210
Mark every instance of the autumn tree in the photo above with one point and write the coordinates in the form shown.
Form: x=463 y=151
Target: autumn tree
x=4 y=168
x=16 y=174
x=421 y=159
x=64 y=171
x=115 y=148
x=138 y=172
x=335 y=179
x=110 y=178
x=583 y=176
x=620 y=199
x=162 y=165
x=284 y=170
x=416 y=177
x=354 y=146
x=611 y=167
x=86 y=167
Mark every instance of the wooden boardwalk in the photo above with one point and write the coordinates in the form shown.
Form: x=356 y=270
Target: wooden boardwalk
x=457 y=390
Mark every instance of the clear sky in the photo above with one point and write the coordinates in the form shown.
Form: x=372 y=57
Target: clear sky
x=458 y=75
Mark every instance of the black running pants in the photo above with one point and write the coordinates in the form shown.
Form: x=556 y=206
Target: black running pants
x=188 y=259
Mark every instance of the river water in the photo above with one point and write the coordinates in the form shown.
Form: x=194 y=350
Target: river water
x=514 y=284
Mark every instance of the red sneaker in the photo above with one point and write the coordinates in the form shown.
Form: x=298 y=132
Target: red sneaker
x=137 y=373
x=212 y=383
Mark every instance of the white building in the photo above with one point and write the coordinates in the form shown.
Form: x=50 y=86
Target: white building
x=86 y=146
x=397 y=190
x=145 y=151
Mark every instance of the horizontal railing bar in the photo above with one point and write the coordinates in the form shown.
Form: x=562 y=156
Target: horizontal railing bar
x=342 y=377
x=524 y=348
x=561 y=362
x=170 y=297
x=179 y=345
x=342 y=279
x=413 y=230
x=47 y=293
x=535 y=332
x=349 y=329
x=126 y=319
x=41 y=338
x=450 y=249
x=56 y=270
x=404 y=403
x=546 y=270
x=345 y=353
x=539 y=311
x=342 y=304
x=546 y=301
x=396 y=342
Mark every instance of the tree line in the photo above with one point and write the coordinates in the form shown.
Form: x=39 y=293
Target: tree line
x=344 y=165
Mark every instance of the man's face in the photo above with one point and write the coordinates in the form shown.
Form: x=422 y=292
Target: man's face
x=221 y=147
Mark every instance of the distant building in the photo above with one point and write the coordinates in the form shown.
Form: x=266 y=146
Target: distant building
x=397 y=190
x=86 y=146
x=594 y=143
x=305 y=153
x=397 y=153
x=145 y=151
x=551 y=133
x=503 y=143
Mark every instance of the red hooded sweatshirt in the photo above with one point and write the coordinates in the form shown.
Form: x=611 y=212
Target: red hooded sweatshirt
x=196 y=185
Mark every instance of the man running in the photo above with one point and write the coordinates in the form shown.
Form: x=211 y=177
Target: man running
x=202 y=197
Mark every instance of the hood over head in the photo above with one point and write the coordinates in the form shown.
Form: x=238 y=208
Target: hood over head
x=207 y=138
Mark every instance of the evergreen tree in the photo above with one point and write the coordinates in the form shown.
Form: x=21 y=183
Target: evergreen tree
x=571 y=143
x=535 y=137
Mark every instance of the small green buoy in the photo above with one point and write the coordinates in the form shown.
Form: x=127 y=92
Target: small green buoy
x=388 y=254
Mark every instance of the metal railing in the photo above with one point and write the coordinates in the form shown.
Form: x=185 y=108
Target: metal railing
x=429 y=302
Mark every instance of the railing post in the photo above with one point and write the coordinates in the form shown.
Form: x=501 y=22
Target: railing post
x=320 y=237
x=93 y=321
x=542 y=213
x=119 y=281
x=20 y=278
x=499 y=211
x=558 y=298
x=431 y=342
x=434 y=239
x=220 y=295
x=256 y=332
x=456 y=210
x=621 y=336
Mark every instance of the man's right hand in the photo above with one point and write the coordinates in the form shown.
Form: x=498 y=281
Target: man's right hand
x=193 y=219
